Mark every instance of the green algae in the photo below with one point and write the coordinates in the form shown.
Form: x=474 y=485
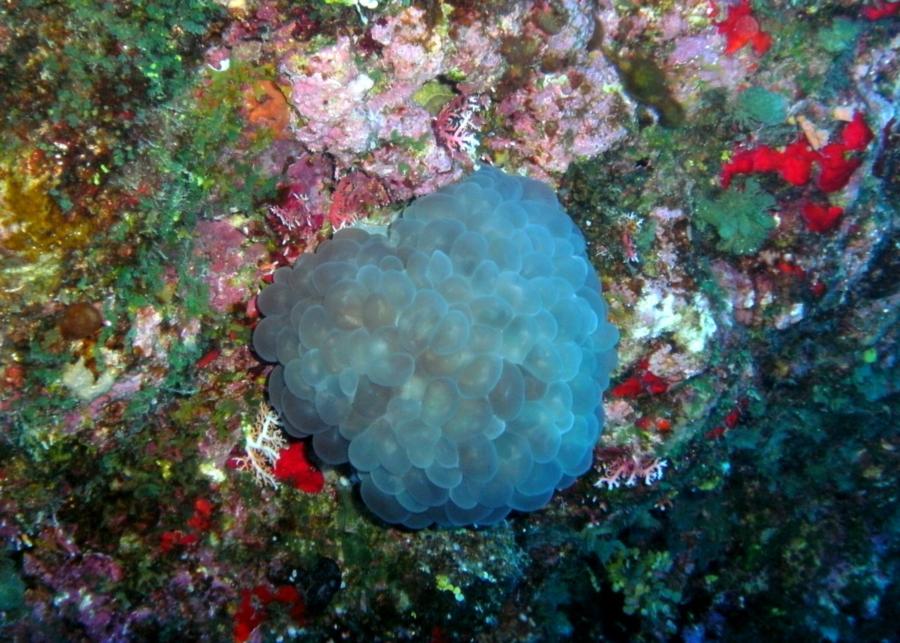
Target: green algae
x=758 y=106
x=433 y=95
x=839 y=36
x=104 y=59
x=742 y=218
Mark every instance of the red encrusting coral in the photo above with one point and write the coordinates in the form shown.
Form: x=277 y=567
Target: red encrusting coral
x=253 y=608
x=880 y=10
x=731 y=420
x=856 y=134
x=788 y=268
x=642 y=382
x=202 y=518
x=294 y=467
x=795 y=163
x=818 y=289
x=208 y=358
x=199 y=522
x=835 y=168
x=438 y=635
x=14 y=376
x=11 y=386
x=821 y=218
x=741 y=28
x=646 y=422
x=176 y=538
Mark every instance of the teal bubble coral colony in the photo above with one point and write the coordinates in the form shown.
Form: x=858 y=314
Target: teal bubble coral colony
x=457 y=362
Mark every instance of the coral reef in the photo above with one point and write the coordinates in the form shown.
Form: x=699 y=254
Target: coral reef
x=730 y=165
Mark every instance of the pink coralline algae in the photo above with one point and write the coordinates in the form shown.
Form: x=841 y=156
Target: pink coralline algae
x=562 y=118
x=414 y=164
x=226 y=249
x=266 y=21
x=483 y=71
x=412 y=54
x=340 y=113
x=577 y=31
x=702 y=53
x=301 y=209
x=355 y=194
x=697 y=57
x=355 y=133
x=328 y=94
x=359 y=108
x=556 y=118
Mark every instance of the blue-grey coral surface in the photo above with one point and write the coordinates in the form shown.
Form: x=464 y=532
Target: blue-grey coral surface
x=457 y=362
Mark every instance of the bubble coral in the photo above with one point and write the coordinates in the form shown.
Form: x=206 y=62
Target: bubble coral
x=456 y=362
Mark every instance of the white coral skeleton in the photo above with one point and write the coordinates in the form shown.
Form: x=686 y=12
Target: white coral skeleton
x=263 y=442
x=457 y=128
x=628 y=469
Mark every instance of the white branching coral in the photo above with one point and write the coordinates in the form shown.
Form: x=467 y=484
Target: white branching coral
x=263 y=442
x=458 y=125
x=628 y=468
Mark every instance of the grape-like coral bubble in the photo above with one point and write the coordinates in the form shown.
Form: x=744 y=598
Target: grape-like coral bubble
x=456 y=362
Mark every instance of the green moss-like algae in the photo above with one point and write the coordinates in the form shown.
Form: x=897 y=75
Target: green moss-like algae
x=741 y=217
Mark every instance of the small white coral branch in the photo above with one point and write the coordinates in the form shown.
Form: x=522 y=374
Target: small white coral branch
x=263 y=442
x=628 y=469
x=456 y=125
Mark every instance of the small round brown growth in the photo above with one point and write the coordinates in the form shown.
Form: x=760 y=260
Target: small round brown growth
x=80 y=321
